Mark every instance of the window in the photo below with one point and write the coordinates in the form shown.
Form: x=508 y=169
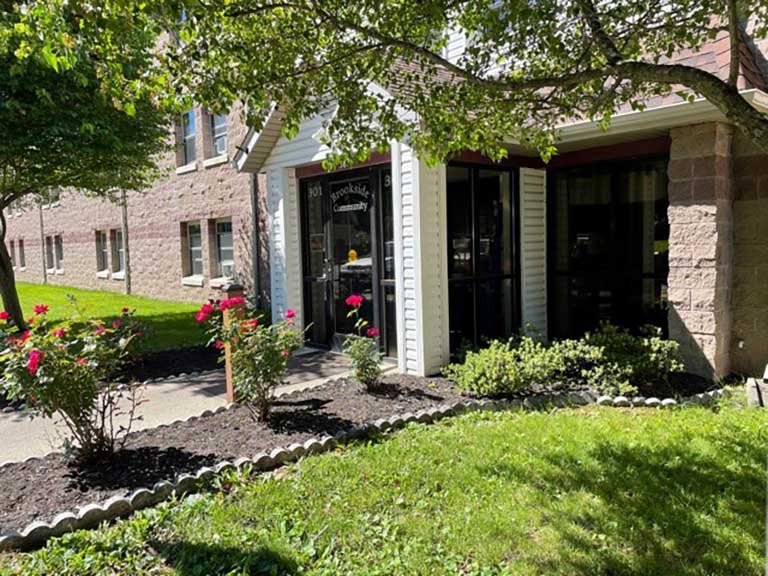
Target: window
x=12 y=253
x=50 y=263
x=118 y=251
x=58 y=252
x=219 y=134
x=22 y=256
x=194 y=264
x=188 y=136
x=102 y=252
x=225 y=252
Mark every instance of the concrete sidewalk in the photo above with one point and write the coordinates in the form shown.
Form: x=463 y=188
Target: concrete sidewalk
x=165 y=401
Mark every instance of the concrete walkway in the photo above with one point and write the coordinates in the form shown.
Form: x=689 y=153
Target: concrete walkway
x=165 y=401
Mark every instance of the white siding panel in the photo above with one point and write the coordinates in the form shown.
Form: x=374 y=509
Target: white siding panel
x=533 y=242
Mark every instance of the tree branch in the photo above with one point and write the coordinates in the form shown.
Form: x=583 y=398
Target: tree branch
x=604 y=41
x=734 y=34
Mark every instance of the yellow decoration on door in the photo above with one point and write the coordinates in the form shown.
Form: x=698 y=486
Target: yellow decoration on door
x=352 y=255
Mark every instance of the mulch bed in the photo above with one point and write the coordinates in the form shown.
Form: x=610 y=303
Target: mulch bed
x=40 y=489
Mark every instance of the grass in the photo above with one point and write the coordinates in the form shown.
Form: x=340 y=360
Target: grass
x=596 y=491
x=169 y=324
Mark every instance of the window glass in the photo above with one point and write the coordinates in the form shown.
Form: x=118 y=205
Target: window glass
x=459 y=221
x=219 y=133
x=118 y=251
x=188 y=136
x=49 y=260
x=58 y=245
x=12 y=253
x=195 y=246
x=101 y=251
x=22 y=256
x=225 y=249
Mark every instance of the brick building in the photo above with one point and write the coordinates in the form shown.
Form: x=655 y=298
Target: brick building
x=199 y=226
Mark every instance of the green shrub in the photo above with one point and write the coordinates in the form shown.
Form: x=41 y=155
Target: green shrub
x=609 y=361
x=489 y=371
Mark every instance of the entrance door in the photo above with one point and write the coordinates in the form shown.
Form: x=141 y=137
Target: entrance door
x=344 y=254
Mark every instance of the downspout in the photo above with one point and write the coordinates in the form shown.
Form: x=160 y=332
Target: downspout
x=256 y=239
x=126 y=250
x=42 y=243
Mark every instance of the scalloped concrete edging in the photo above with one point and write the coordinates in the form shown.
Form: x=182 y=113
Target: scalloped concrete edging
x=93 y=515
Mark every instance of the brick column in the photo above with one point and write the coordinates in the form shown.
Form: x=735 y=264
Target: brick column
x=701 y=246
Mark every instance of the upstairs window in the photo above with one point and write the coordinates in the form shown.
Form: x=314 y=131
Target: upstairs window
x=188 y=136
x=50 y=263
x=58 y=253
x=225 y=251
x=219 y=134
x=22 y=256
x=12 y=253
x=102 y=252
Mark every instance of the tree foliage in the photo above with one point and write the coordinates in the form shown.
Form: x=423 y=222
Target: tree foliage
x=529 y=65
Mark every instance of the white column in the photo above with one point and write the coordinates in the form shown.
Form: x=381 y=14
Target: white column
x=533 y=249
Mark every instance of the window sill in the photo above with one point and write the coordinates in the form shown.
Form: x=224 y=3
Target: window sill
x=104 y=274
x=50 y=270
x=196 y=281
x=118 y=275
x=59 y=271
x=187 y=168
x=215 y=161
x=219 y=282
x=22 y=269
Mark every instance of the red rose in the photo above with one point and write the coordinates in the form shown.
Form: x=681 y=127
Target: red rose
x=231 y=302
x=4 y=315
x=249 y=324
x=31 y=320
x=99 y=331
x=218 y=344
x=201 y=317
x=354 y=300
x=372 y=332
x=125 y=310
x=59 y=332
x=206 y=309
x=40 y=309
x=33 y=362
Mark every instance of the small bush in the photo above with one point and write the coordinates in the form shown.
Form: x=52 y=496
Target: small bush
x=492 y=370
x=260 y=354
x=609 y=361
x=69 y=369
x=363 y=347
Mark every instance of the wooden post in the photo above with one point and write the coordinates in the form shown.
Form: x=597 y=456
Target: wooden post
x=234 y=314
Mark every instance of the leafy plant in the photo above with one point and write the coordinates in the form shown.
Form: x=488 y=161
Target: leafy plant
x=68 y=369
x=363 y=346
x=259 y=354
x=492 y=370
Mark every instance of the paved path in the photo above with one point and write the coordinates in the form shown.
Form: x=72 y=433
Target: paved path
x=166 y=400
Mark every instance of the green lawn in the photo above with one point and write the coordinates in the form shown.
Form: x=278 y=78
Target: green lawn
x=169 y=324
x=596 y=491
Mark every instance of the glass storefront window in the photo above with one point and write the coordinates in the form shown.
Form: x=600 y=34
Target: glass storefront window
x=609 y=235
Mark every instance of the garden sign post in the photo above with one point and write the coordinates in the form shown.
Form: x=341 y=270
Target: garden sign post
x=232 y=314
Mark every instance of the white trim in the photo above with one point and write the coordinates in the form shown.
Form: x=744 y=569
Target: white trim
x=187 y=168
x=215 y=160
x=416 y=169
x=442 y=184
x=533 y=250
x=397 y=216
x=103 y=274
x=118 y=275
x=194 y=280
x=217 y=282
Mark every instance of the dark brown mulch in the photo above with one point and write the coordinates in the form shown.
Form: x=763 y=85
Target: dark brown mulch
x=40 y=489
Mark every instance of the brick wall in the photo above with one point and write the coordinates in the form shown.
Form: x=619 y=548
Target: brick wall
x=156 y=241
x=750 y=273
x=701 y=246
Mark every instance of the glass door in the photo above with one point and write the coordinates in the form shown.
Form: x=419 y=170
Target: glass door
x=348 y=249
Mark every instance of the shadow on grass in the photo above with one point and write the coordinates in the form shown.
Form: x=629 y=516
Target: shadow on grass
x=188 y=559
x=666 y=509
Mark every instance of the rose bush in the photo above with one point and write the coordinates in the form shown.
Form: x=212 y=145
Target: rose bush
x=362 y=347
x=259 y=352
x=69 y=370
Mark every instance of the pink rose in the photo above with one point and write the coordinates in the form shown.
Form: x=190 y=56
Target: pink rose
x=81 y=361
x=99 y=331
x=24 y=337
x=4 y=315
x=372 y=332
x=59 y=332
x=201 y=317
x=33 y=362
x=31 y=320
x=40 y=309
x=354 y=300
x=231 y=302
x=117 y=323
x=206 y=309
x=218 y=344
x=290 y=314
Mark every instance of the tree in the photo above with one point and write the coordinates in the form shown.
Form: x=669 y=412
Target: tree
x=529 y=66
x=76 y=109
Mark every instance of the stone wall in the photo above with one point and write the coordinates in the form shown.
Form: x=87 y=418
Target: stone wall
x=211 y=189
x=750 y=273
x=701 y=246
